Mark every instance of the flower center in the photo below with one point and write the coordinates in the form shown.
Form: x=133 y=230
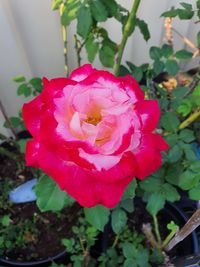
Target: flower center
x=94 y=119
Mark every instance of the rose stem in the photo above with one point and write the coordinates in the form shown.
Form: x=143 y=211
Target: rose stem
x=156 y=228
x=129 y=24
x=64 y=36
x=147 y=230
x=187 y=229
x=7 y=120
x=115 y=241
x=190 y=119
x=77 y=50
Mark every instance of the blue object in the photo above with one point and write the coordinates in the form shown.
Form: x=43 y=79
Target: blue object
x=23 y=193
x=196 y=148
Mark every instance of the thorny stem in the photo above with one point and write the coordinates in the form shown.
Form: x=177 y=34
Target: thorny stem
x=195 y=115
x=8 y=120
x=187 y=229
x=77 y=50
x=129 y=24
x=156 y=228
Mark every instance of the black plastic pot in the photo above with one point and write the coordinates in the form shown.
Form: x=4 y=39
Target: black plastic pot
x=61 y=257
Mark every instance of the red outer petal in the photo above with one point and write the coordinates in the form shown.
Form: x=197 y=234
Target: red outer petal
x=82 y=72
x=149 y=112
x=32 y=150
x=131 y=84
x=148 y=156
x=31 y=113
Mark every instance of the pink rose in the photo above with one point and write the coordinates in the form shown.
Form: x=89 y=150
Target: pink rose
x=93 y=133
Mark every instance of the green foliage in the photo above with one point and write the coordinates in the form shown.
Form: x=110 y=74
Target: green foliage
x=49 y=195
x=184 y=13
x=143 y=27
x=118 y=220
x=99 y=10
x=97 y=216
x=68 y=11
x=92 y=47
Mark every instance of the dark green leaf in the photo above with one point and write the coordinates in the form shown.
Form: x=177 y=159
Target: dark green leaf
x=186 y=6
x=195 y=166
x=123 y=71
x=129 y=250
x=84 y=21
x=127 y=205
x=92 y=48
x=171 y=139
x=22 y=145
x=170 y=193
x=107 y=53
x=172 y=67
x=111 y=6
x=185 y=13
x=171 y=13
x=187 y=135
x=194 y=193
x=158 y=66
x=175 y=153
x=173 y=173
x=137 y=73
x=167 y=50
x=183 y=54
x=99 y=11
x=15 y=121
x=49 y=196
x=170 y=122
x=142 y=25
x=155 y=203
x=36 y=83
x=142 y=258
x=56 y=4
x=151 y=184
x=130 y=263
x=69 y=12
x=188 y=180
x=155 y=53
x=19 y=79
x=97 y=216
x=118 y=220
x=130 y=190
x=24 y=89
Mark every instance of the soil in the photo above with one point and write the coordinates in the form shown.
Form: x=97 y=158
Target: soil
x=50 y=227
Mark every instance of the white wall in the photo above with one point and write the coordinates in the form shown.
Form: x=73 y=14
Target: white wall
x=31 y=43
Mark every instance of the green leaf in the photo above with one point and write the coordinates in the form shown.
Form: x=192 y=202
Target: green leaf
x=151 y=184
x=5 y=220
x=171 y=13
x=111 y=6
x=194 y=193
x=195 y=166
x=158 y=66
x=130 y=263
x=15 y=121
x=56 y=4
x=155 y=53
x=173 y=173
x=142 y=258
x=155 y=203
x=36 y=83
x=49 y=196
x=172 y=139
x=185 y=14
x=24 y=89
x=143 y=26
x=183 y=54
x=187 y=135
x=188 y=180
x=92 y=48
x=98 y=10
x=97 y=216
x=107 y=53
x=186 y=6
x=170 y=192
x=19 y=79
x=127 y=205
x=172 y=67
x=170 y=122
x=185 y=108
x=84 y=21
x=167 y=50
x=137 y=73
x=175 y=153
x=22 y=145
x=129 y=250
x=70 y=11
x=118 y=220
x=130 y=190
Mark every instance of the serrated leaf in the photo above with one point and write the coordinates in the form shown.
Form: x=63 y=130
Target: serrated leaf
x=19 y=79
x=118 y=220
x=187 y=135
x=143 y=26
x=130 y=190
x=107 y=53
x=185 y=14
x=175 y=153
x=156 y=202
x=183 y=54
x=167 y=50
x=172 y=67
x=129 y=250
x=137 y=73
x=97 y=216
x=170 y=192
x=127 y=205
x=84 y=19
x=111 y=6
x=49 y=196
x=158 y=66
x=92 y=48
x=155 y=53
x=37 y=84
x=170 y=122
x=70 y=11
x=24 y=89
x=188 y=180
x=170 y=13
x=98 y=10
x=151 y=184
